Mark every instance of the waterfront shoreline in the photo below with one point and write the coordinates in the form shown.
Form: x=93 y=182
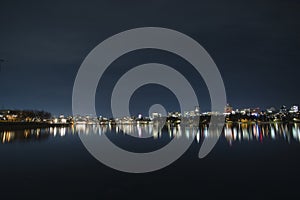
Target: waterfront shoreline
x=7 y=126
x=28 y=125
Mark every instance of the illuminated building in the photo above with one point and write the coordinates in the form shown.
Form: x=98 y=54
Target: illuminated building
x=197 y=110
x=294 y=109
x=228 y=109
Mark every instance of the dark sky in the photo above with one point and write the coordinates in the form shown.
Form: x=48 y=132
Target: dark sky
x=255 y=44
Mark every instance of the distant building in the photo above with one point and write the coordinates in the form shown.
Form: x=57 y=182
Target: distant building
x=174 y=114
x=155 y=115
x=271 y=110
x=255 y=110
x=283 y=109
x=197 y=110
x=245 y=111
x=192 y=113
x=294 y=109
x=228 y=109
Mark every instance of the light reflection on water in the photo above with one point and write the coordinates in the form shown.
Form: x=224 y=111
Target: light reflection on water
x=232 y=132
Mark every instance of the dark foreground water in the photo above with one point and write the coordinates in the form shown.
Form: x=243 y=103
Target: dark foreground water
x=248 y=162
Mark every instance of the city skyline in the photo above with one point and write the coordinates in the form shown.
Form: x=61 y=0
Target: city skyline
x=198 y=109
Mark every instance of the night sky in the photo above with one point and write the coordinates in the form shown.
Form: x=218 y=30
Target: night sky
x=255 y=44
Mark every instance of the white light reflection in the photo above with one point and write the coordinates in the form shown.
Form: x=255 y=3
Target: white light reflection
x=231 y=132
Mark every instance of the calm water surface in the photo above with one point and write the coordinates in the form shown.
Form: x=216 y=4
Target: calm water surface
x=249 y=161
